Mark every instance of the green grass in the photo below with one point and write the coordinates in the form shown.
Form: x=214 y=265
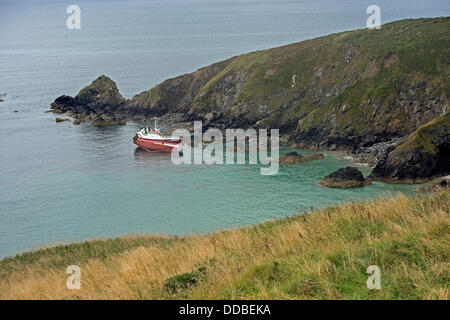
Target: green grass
x=64 y=255
x=422 y=138
x=422 y=50
x=321 y=255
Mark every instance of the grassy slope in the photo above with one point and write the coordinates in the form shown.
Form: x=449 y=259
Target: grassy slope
x=321 y=255
x=422 y=137
x=421 y=51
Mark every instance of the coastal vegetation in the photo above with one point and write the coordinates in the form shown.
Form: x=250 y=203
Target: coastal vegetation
x=323 y=254
x=424 y=154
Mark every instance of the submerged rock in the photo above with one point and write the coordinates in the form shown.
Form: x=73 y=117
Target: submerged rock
x=348 y=177
x=61 y=120
x=239 y=147
x=294 y=158
x=105 y=120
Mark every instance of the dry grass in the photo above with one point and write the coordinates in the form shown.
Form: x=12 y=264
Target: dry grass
x=322 y=255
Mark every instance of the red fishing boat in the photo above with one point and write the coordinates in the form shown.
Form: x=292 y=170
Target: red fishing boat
x=152 y=140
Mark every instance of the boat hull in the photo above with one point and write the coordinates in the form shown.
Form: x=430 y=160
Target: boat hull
x=164 y=145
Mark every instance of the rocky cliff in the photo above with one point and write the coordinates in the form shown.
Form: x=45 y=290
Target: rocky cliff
x=423 y=155
x=362 y=90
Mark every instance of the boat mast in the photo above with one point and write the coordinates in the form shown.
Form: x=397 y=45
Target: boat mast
x=156 y=128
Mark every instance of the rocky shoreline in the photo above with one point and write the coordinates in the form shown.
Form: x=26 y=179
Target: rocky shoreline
x=379 y=104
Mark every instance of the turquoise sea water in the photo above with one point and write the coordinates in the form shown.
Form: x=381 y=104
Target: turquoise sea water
x=61 y=183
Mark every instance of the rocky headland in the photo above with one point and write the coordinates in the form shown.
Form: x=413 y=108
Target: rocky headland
x=423 y=155
x=378 y=95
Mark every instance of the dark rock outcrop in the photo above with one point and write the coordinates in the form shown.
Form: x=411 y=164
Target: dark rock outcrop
x=98 y=101
x=63 y=104
x=101 y=96
x=348 y=177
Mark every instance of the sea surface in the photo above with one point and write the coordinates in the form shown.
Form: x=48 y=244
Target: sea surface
x=61 y=183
